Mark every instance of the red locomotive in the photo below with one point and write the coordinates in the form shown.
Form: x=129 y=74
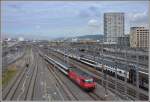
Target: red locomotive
x=83 y=80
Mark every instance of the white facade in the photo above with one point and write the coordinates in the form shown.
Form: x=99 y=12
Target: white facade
x=113 y=26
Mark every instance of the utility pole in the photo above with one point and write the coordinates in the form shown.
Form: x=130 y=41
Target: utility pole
x=126 y=70
x=104 y=68
x=64 y=52
x=137 y=73
x=115 y=49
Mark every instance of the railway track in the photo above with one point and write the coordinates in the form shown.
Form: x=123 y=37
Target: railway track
x=76 y=65
x=6 y=89
x=31 y=88
x=22 y=90
x=93 y=95
x=22 y=87
x=8 y=85
x=9 y=92
x=13 y=61
x=131 y=90
x=70 y=94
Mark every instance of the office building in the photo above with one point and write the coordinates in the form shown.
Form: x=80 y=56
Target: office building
x=139 y=37
x=113 y=26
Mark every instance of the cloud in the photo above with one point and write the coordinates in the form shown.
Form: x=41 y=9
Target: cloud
x=136 y=19
x=37 y=26
x=53 y=18
x=139 y=17
x=84 y=14
x=94 y=10
x=93 y=23
x=95 y=26
x=91 y=11
x=15 y=6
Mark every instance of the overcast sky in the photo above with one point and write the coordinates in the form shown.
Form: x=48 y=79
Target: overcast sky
x=49 y=19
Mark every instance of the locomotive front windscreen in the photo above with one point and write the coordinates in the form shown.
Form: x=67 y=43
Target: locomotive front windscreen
x=89 y=80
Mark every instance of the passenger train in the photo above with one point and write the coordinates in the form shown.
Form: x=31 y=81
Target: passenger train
x=121 y=74
x=83 y=80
